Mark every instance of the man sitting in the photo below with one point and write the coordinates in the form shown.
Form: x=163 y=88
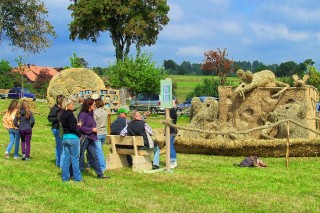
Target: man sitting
x=137 y=127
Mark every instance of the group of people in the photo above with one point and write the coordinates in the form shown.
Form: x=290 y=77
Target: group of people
x=79 y=132
x=19 y=121
x=79 y=128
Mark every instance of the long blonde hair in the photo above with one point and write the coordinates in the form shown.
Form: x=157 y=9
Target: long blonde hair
x=26 y=106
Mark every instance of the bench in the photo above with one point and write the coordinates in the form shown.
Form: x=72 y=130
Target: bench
x=141 y=159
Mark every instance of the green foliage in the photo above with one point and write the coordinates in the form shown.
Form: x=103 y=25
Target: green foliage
x=290 y=68
x=287 y=80
x=314 y=79
x=40 y=86
x=138 y=75
x=23 y=23
x=128 y=22
x=6 y=76
x=77 y=62
x=209 y=87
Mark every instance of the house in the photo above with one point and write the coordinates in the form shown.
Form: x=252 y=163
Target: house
x=32 y=71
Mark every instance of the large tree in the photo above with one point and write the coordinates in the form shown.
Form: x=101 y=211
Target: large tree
x=216 y=62
x=128 y=22
x=23 y=23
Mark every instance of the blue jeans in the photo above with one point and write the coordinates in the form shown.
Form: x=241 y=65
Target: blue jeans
x=14 y=139
x=90 y=146
x=56 y=134
x=99 y=148
x=71 y=149
x=173 y=154
x=156 y=156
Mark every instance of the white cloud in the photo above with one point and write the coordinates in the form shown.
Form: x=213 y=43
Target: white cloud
x=278 y=32
x=175 y=12
x=190 y=51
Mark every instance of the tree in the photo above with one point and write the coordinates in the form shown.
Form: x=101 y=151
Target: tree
x=77 y=62
x=289 y=68
x=138 y=75
x=6 y=76
x=170 y=66
x=23 y=23
x=128 y=22
x=216 y=62
x=42 y=82
x=314 y=79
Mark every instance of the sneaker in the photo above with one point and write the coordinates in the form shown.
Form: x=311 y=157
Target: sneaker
x=23 y=156
x=155 y=167
x=103 y=177
x=16 y=157
x=6 y=155
x=27 y=158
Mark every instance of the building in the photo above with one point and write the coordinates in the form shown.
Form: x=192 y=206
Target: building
x=31 y=71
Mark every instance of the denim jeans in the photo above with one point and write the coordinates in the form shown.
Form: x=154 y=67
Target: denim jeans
x=156 y=156
x=71 y=149
x=99 y=148
x=56 y=134
x=173 y=154
x=14 y=139
x=89 y=145
x=25 y=136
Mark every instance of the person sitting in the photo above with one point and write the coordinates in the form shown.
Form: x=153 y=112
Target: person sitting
x=118 y=125
x=138 y=127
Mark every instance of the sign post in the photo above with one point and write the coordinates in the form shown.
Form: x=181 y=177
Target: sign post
x=166 y=102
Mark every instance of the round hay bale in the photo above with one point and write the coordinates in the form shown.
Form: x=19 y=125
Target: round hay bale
x=71 y=81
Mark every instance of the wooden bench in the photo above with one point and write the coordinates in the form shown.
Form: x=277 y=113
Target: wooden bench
x=141 y=159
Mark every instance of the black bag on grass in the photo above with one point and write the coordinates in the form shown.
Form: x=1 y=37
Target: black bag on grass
x=251 y=161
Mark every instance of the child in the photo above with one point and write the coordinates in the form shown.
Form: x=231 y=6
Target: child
x=24 y=120
x=13 y=131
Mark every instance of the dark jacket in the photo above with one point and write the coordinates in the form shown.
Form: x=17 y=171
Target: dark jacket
x=53 y=116
x=137 y=128
x=69 y=123
x=87 y=124
x=174 y=117
x=24 y=123
x=118 y=125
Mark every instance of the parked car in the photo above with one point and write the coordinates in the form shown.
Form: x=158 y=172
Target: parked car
x=145 y=102
x=185 y=107
x=19 y=92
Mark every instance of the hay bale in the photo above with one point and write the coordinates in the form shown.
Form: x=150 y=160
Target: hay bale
x=71 y=81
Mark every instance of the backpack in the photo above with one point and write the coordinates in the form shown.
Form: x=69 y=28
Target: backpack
x=252 y=161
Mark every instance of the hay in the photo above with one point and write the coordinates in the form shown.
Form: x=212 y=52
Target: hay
x=71 y=81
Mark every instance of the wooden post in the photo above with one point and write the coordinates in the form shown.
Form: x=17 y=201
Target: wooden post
x=288 y=140
x=167 y=141
x=109 y=123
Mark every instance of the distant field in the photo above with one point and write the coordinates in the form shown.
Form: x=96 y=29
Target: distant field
x=186 y=84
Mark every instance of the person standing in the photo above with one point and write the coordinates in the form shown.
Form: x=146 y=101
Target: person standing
x=13 y=131
x=101 y=117
x=70 y=142
x=25 y=121
x=173 y=133
x=88 y=128
x=53 y=118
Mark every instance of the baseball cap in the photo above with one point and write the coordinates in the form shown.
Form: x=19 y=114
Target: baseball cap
x=123 y=110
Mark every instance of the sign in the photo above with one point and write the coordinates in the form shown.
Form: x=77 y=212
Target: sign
x=166 y=93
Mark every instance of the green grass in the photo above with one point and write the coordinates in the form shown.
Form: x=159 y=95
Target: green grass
x=200 y=183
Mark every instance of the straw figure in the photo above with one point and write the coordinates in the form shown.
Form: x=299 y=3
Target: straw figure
x=71 y=81
x=264 y=78
x=300 y=82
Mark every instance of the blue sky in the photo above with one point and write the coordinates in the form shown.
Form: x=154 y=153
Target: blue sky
x=270 y=31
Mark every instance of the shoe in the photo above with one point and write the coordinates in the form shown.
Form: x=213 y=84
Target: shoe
x=16 y=157
x=23 y=156
x=103 y=177
x=155 y=167
x=173 y=165
x=6 y=155
x=27 y=158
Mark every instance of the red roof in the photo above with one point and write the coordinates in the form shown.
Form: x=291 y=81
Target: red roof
x=32 y=71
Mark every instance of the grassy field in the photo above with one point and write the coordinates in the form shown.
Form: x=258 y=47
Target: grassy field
x=186 y=84
x=199 y=184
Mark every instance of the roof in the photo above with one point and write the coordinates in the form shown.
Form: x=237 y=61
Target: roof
x=32 y=71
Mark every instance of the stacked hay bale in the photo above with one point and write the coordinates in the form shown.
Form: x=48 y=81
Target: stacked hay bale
x=71 y=81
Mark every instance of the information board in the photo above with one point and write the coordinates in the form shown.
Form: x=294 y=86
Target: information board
x=166 y=93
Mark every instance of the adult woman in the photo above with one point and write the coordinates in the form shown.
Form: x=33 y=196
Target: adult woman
x=53 y=118
x=13 y=131
x=101 y=117
x=24 y=120
x=70 y=142
x=88 y=128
